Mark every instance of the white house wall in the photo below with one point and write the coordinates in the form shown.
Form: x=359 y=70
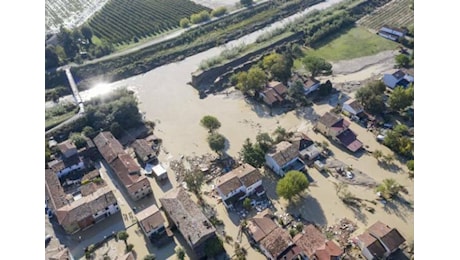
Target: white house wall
x=273 y=165
x=251 y=189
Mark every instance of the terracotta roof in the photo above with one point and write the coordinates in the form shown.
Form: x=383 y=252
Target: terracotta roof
x=139 y=183
x=279 y=87
x=284 y=152
x=277 y=242
x=310 y=240
x=126 y=169
x=329 y=119
x=150 y=218
x=349 y=140
x=248 y=174
x=108 y=146
x=260 y=226
x=372 y=244
x=245 y=175
x=271 y=96
x=53 y=190
x=353 y=103
x=328 y=251
x=389 y=236
x=85 y=206
x=143 y=149
x=66 y=146
x=56 y=165
x=228 y=183
x=187 y=216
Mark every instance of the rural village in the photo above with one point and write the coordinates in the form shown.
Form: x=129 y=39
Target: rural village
x=296 y=156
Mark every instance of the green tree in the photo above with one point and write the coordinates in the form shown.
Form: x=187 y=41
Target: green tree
x=246 y=2
x=180 y=253
x=389 y=188
x=371 y=97
x=410 y=165
x=316 y=65
x=377 y=154
x=281 y=134
x=297 y=93
x=219 y=11
x=278 y=65
x=247 y=203
x=47 y=153
x=87 y=32
x=292 y=184
x=217 y=142
x=184 y=22
x=116 y=130
x=78 y=140
x=251 y=82
x=402 y=60
x=210 y=122
x=240 y=253
x=150 y=257
x=388 y=158
x=401 y=98
x=89 y=132
x=129 y=247
x=123 y=235
x=194 y=180
x=264 y=141
x=51 y=58
x=68 y=43
x=252 y=154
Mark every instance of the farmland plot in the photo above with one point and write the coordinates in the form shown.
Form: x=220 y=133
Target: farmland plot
x=397 y=13
x=124 y=20
x=69 y=13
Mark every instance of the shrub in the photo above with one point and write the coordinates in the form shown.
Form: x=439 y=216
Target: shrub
x=219 y=11
x=184 y=22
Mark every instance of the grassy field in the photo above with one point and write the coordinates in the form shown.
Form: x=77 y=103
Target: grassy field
x=397 y=13
x=354 y=43
x=54 y=121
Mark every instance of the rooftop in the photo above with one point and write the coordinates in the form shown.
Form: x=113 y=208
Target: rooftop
x=329 y=119
x=126 y=169
x=187 y=216
x=310 y=240
x=284 y=152
x=260 y=226
x=66 y=146
x=348 y=139
x=150 y=218
x=390 y=236
x=277 y=242
x=353 y=103
x=143 y=149
x=108 y=146
x=245 y=175
x=279 y=87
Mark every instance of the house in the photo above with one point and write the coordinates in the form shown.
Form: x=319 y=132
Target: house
x=127 y=170
x=314 y=245
x=392 y=33
x=283 y=158
x=151 y=222
x=123 y=165
x=337 y=128
x=260 y=225
x=79 y=209
x=239 y=183
x=397 y=78
x=352 y=107
x=185 y=214
x=308 y=150
x=278 y=245
x=274 y=93
x=144 y=151
x=62 y=254
x=379 y=241
x=309 y=84
x=64 y=166
x=67 y=148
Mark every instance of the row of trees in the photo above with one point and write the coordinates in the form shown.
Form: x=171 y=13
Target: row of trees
x=202 y=16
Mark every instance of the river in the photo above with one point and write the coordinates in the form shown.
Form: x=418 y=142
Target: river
x=167 y=99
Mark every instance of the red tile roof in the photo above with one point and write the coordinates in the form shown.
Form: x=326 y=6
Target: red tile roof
x=310 y=240
x=277 y=242
x=108 y=146
x=126 y=169
x=150 y=218
x=328 y=251
x=260 y=226
x=349 y=140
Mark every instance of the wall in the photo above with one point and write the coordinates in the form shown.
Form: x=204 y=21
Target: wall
x=208 y=77
x=273 y=165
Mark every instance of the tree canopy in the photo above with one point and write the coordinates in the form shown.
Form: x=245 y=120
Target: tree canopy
x=78 y=140
x=292 y=184
x=278 y=65
x=400 y=143
x=252 y=154
x=217 y=142
x=194 y=180
x=316 y=65
x=252 y=81
x=402 y=60
x=281 y=134
x=371 y=97
x=264 y=141
x=210 y=122
x=401 y=98
x=297 y=93
x=389 y=188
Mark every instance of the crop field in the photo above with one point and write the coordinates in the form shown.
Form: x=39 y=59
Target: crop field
x=397 y=13
x=121 y=21
x=69 y=13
